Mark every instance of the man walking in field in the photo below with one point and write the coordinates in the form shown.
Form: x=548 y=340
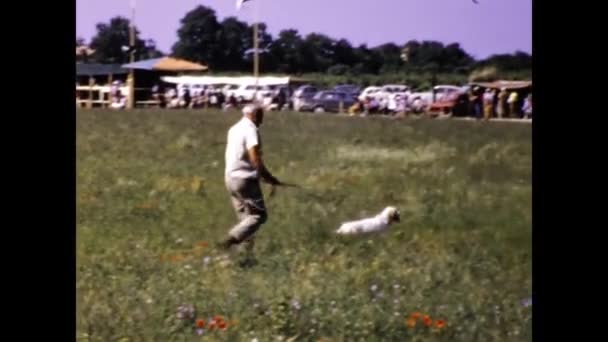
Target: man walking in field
x=244 y=170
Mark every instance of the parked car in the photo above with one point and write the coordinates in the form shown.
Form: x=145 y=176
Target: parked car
x=244 y=92
x=302 y=94
x=350 y=89
x=328 y=101
x=389 y=90
x=368 y=92
x=229 y=89
x=442 y=93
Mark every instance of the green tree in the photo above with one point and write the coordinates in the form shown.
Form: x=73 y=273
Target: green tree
x=233 y=44
x=199 y=37
x=286 y=52
x=110 y=40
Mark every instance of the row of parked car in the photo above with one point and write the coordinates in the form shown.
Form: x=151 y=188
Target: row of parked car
x=339 y=98
x=311 y=98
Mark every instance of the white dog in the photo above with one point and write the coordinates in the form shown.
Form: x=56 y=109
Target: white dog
x=379 y=223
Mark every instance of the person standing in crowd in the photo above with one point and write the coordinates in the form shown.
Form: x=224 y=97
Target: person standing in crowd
x=473 y=102
x=513 y=97
x=488 y=101
x=501 y=103
x=527 y=108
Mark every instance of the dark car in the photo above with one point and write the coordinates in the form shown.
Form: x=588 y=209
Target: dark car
x=349 y=89
x=328 y=101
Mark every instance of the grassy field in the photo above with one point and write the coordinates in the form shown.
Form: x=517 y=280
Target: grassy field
x=151 y=204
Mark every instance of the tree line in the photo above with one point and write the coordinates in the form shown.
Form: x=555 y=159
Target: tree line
x=226 y=45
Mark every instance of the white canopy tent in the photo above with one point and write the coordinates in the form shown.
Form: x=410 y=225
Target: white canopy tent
x=215 y=80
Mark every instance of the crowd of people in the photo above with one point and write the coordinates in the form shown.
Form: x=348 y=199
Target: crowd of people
x=477 y=102
x=498 y=103
x=210 y=97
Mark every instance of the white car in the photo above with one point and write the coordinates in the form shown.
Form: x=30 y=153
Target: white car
x=442 y=92
x=389 y=91
x=245 y=92
x=368 y=92
x=229 y=89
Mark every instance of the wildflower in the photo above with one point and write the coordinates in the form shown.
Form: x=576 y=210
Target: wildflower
x=410 y=322
x=222 y=325
x=295 y=304
x=199 y=332
x=374 y=287
x=206 y=260
x=440 y=324
x=202 y=244
x=526 y=302
x=200 y=323
x=427 y=320
x=185 y=312
x=415 y=315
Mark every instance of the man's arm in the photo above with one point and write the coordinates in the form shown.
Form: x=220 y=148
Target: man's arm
x=255 y=156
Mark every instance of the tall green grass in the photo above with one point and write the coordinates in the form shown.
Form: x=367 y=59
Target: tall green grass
x=151 y=203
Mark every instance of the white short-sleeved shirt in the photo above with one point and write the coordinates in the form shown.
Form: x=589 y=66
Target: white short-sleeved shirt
x=241 y=137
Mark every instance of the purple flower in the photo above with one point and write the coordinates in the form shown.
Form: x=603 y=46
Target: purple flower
x=199 y=331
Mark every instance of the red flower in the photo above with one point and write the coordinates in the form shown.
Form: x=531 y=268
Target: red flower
x=440 y=324
x=200 y=323
x=427 y=320
x=222 y=325
x=411 y=322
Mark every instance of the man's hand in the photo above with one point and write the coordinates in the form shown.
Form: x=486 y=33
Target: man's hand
x=255 y=156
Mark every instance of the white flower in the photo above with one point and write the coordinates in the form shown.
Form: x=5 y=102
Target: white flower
x=149 y=300
x=254 y=340
x=295 y=304
x=180 y=240
x=373 y=288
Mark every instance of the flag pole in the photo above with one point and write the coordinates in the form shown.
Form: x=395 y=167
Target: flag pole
x=131 y=80
x=256 y=43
